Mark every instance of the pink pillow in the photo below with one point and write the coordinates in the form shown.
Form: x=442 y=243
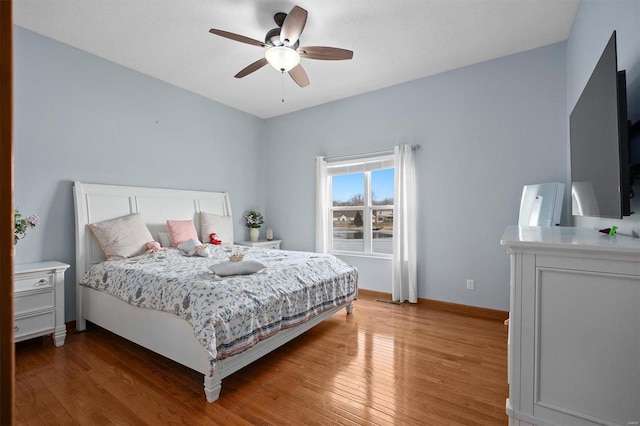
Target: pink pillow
x=181 y=231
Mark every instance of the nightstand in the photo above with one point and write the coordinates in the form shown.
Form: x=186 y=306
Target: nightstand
x=273 y=244
x=38 y=297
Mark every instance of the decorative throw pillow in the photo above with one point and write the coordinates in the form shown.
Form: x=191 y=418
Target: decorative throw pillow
x=181 y=231
x=165 y=239
x=222 y=226
x=123 y=237
x=243 y=267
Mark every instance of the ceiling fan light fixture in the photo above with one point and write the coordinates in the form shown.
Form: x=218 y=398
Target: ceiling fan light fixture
x=282 y=58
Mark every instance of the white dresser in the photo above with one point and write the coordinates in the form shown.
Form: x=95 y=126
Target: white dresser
x=574 y=332
x=39 y=301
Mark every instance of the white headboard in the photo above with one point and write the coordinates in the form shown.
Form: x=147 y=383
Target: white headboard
x=95 y=203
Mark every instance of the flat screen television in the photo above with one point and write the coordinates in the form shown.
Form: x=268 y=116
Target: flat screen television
x=599 y=142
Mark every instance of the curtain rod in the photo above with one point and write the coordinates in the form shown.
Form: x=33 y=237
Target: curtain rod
x=369 y=154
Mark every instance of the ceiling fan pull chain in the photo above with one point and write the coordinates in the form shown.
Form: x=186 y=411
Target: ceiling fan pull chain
x=282 y=86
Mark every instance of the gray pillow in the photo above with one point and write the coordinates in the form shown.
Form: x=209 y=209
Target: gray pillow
x=243 y=267
x=165 y=239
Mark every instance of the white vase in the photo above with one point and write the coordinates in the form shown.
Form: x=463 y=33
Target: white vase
x=255 y=233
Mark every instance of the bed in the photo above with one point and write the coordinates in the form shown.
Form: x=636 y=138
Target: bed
x=213 y=325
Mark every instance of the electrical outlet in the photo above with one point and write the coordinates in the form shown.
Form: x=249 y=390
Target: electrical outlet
x=471 y=285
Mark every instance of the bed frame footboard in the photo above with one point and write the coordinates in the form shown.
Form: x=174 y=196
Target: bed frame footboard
x=349 y=308
x=228 y=366
x=153 y=327
x=212 y=387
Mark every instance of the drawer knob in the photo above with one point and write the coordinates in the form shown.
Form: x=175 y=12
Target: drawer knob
x=41 y=282
x=16 y=329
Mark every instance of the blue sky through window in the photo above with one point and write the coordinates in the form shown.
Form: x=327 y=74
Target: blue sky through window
x=382 y=184
x=345 y=186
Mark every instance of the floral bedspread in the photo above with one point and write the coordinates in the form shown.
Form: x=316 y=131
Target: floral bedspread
x=230 y=315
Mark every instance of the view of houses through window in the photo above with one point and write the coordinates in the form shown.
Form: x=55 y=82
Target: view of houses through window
x=362 y=212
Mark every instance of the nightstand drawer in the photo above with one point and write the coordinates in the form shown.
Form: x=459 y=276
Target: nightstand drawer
x=33 y=301
x=273 y=244
x=41 y=323
x=31 y=283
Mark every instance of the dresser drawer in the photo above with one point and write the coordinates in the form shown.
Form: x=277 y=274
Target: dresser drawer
x=35 y=324
x=33 y=301
x=33 y=282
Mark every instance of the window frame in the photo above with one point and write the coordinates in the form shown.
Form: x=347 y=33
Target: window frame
x=367 y=208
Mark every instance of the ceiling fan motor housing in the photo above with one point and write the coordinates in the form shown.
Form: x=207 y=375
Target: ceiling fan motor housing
x=273 y=39
x=279 y=18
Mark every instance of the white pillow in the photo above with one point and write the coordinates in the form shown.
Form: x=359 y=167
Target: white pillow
x=243 y=267
x=123 y=237
x=222 y=226
x=165 y=239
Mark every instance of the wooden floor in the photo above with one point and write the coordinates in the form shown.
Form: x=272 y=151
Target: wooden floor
x=383 y=364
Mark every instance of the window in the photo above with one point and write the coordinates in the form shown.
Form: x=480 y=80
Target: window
x=361 y=210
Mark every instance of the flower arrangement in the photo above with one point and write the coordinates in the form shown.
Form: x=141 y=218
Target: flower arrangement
x=21 y=224
x=253 y=219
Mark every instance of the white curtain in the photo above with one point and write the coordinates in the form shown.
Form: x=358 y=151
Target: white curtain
x=322 y=200
x=404 y=284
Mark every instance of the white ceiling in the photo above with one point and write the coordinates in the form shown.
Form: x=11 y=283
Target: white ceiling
x=393 y=41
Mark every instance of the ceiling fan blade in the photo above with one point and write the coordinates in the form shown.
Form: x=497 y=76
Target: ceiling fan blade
x=251 y=68
x=325 y=53
x=299 y=75
x=238 y=37
x=293 y=25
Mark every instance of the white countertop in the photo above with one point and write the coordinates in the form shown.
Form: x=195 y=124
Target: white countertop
x=38 y=266
x=563 y=237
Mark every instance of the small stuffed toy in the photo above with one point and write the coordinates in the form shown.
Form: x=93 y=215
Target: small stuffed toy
x=194 y=247
x=213 y=240
x=154 y=247
x=202 y=251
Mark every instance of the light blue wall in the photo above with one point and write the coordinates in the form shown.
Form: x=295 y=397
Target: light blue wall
x=79 y=117
x=592 y=28
x=485 y=131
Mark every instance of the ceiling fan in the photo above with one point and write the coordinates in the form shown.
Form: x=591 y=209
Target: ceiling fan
x=283 y=47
